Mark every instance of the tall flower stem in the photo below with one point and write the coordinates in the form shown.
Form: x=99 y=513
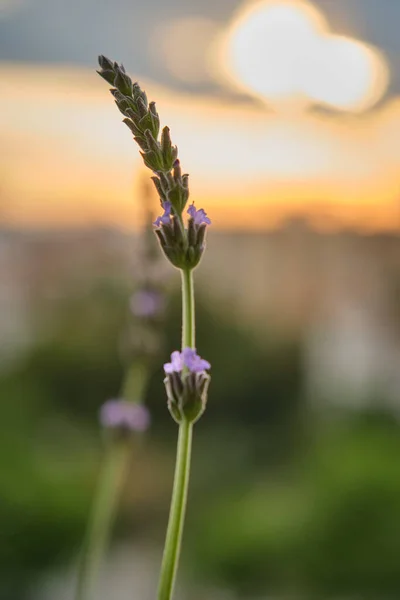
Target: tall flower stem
x=176 y=520
x=112 y=476
x=188 y=310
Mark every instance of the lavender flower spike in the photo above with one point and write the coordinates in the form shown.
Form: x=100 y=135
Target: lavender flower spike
x=198 y=216
x=165 y=218
x=119 y=414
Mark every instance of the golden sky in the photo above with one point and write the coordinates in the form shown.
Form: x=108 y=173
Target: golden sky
x=68 y=160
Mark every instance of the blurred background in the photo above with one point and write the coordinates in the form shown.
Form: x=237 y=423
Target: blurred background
x=287 y=117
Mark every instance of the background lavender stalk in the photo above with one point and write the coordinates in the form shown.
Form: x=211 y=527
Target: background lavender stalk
x=122 y=418
x=186 y=379
x=102 y=516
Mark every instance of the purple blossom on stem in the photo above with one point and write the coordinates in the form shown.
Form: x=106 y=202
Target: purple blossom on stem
x=193 y=361
x=198 y=216
x=146 y=303
x=187 y=358
x=176 y=363
x=165 y=218
x=119 y=414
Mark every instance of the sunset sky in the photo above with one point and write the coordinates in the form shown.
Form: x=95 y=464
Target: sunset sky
x=278 y=108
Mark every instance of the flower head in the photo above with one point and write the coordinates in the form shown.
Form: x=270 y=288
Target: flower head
x=199 y=216
x=165 y=218
x=187 y=384
x=146 y=303
x=119 y=414
x=187 y=358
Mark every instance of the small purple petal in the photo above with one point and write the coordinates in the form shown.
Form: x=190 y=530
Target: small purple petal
x=116 y=414
x=146 y=303
x=176 y=360
x=176 y=363
x=192 y=211
x=165 y=218
x=199 y=216
x=188 y=358
x=193 y=361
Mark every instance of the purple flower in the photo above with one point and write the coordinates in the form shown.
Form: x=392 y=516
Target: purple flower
x=176 y=363
x=193 y=361
x=188 y=358
x=198 y=216
x=119 y=414
x=146 y=303
x=165 y=218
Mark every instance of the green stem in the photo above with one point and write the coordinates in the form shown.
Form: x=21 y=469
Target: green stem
x=102 y=515
x=188 y=314
x=176 y=520
x=109 y=487
x=177 y=512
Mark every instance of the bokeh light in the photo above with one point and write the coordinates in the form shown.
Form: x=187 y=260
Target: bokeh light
x=345 y=74
x=283 y=52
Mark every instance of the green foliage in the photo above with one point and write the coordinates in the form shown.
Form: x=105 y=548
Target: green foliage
x=329 y=527
x=280 y=502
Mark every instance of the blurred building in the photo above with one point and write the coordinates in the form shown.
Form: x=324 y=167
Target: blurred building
x=336 y=291
x=38 y=269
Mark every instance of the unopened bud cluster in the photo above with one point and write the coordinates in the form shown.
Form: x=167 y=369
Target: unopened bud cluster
x=182 y=245
x=140 y=116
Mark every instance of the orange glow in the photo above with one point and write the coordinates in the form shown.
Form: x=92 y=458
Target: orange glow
x=68 y=161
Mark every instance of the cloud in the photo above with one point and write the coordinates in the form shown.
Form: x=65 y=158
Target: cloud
x=283 y=51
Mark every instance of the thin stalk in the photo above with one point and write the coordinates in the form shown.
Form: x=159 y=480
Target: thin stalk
x=188 y=310
x=112 y=477
x=177 y=512
x=109 y=487
x=176 y=520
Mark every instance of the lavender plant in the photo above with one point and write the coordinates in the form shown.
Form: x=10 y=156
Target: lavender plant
x=183 y=243
x=125 y=418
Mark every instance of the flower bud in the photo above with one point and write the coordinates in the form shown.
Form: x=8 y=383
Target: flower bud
x=186 y=383
x=105 y=63
x=169 y=152
x=173 y=242
x=123 y=82
x=196 y=233
x=141 y=106
x=108 y=75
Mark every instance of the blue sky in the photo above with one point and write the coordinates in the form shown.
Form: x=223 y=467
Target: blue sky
x=75 y=31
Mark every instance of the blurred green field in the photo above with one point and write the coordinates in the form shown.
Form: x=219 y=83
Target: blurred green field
x=295 y=492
